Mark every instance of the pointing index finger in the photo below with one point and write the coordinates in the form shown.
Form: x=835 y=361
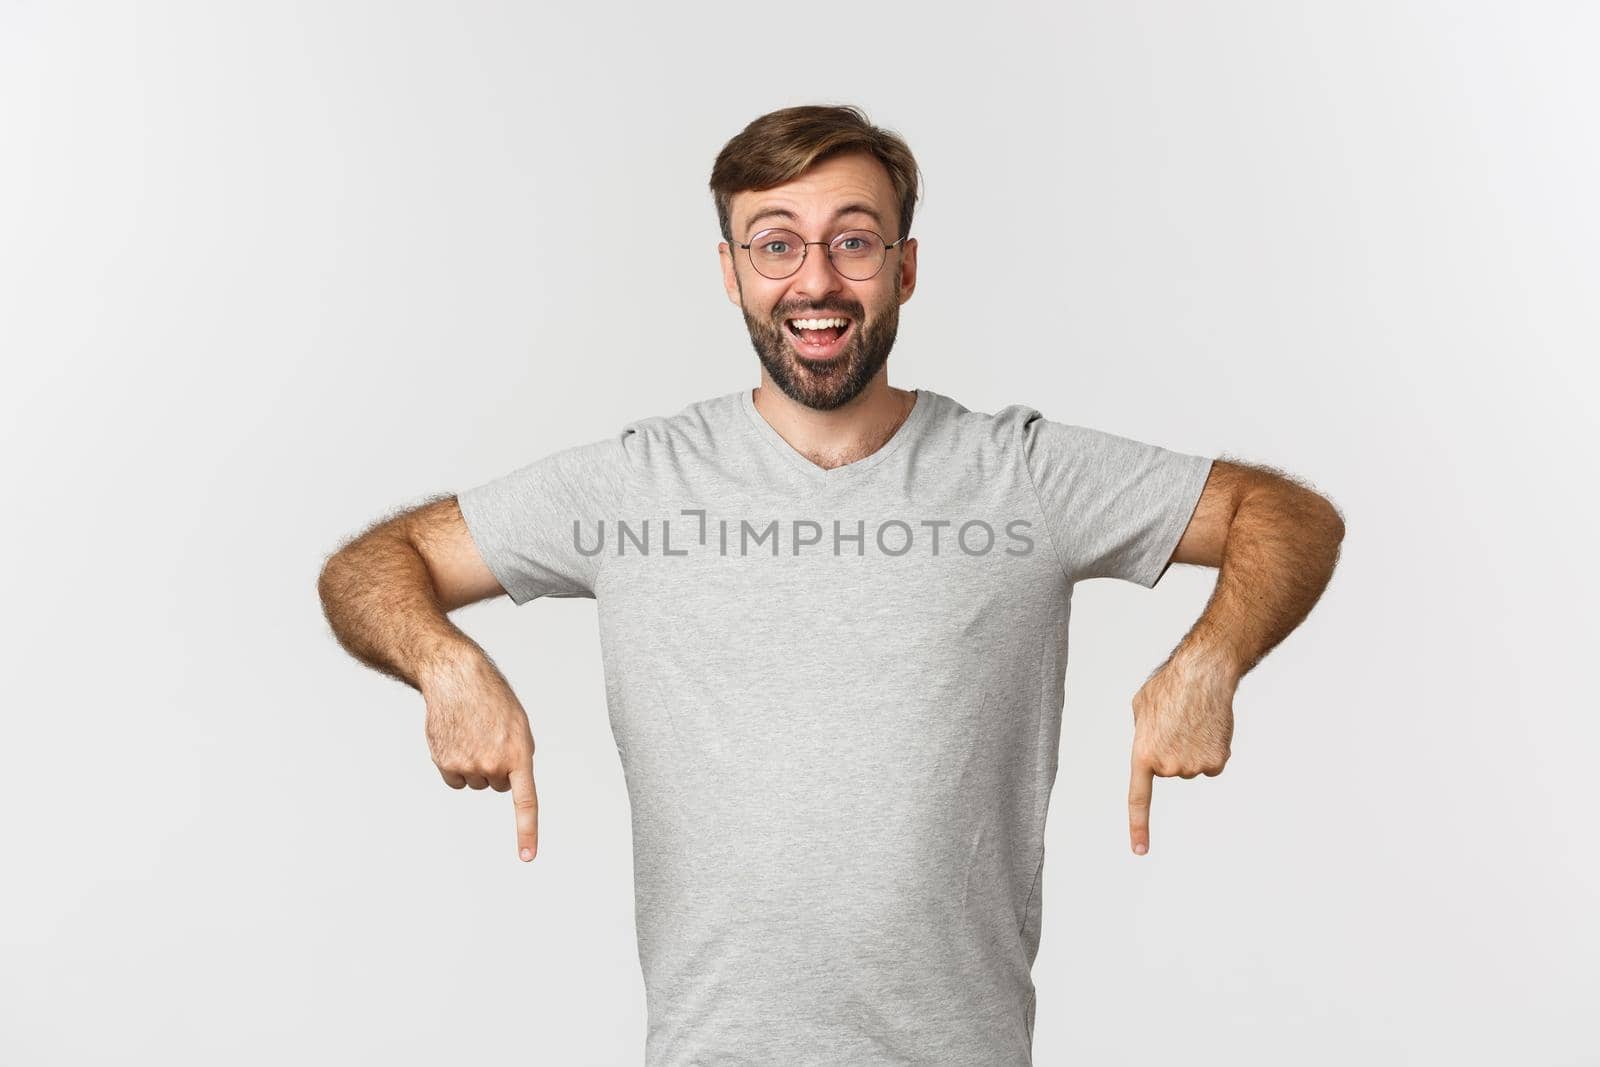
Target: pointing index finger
x=1139 y=791
x=525 y=799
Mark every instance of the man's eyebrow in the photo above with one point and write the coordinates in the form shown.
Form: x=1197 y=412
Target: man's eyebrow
x=785 y=213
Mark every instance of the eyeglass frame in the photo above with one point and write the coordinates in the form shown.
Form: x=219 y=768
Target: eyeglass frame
x=805 y=250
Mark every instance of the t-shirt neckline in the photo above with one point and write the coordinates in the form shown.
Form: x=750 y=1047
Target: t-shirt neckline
x=763 y=428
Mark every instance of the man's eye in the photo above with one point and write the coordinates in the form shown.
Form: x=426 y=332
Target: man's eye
x=848 y=241
x=776 y=248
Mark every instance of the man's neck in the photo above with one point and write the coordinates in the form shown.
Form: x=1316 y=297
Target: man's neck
x=844 y=435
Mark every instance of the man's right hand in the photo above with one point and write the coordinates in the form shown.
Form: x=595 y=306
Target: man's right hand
x=479 y=736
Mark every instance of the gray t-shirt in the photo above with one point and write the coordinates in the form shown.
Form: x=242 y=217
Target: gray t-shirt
x=837 y=698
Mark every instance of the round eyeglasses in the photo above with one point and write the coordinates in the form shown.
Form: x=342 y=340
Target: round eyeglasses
x=856 y=254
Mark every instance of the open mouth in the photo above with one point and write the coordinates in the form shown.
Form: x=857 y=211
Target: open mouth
x=821 y=337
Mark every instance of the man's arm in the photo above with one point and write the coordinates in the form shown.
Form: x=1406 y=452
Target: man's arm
x=1276 y=543
x=387 y=594
x=388 y=591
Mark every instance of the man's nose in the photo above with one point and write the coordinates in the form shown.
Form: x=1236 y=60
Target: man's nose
x=816 y=276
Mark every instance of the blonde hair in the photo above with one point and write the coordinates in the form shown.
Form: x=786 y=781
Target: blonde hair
x=781 y=145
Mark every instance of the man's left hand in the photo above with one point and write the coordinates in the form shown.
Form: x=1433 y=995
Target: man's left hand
x=1182 y=726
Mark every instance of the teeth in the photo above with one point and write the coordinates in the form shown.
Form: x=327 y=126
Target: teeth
x=818 y=324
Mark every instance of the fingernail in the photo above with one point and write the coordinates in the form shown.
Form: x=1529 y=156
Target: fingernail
x=527 y=853
x=1141 y=848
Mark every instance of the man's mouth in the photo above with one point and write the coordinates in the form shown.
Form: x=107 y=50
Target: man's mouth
x=819 y=337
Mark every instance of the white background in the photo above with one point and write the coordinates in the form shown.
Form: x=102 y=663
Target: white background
x=270 y=271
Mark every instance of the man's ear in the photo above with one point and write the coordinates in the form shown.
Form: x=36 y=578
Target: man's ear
x=730 y=280
x=908 y=269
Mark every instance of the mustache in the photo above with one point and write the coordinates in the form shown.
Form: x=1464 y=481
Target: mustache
x=783 y=314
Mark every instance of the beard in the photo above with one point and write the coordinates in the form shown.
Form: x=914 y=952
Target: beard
x=826 y=384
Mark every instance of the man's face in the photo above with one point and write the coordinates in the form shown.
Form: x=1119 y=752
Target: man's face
x=817 y=206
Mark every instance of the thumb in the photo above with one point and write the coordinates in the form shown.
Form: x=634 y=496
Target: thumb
x=1139 y=790
x=525 y=799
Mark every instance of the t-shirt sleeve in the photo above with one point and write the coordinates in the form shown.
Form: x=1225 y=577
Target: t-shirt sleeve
x=1114 y=507
x=536 y=527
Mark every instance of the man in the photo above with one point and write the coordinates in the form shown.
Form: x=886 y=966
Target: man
x=833 y=617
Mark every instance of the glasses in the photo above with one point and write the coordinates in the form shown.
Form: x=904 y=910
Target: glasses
x=856 y=254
